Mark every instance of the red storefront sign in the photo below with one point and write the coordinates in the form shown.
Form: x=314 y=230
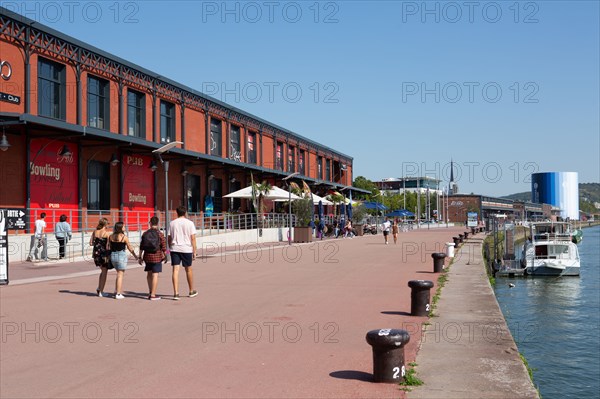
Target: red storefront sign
x=138 y=191
x=54 y=181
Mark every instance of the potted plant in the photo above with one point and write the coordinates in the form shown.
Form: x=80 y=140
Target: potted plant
x=302 y=209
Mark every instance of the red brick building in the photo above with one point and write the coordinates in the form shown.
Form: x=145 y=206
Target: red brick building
x=82 y=125
x=459 y=205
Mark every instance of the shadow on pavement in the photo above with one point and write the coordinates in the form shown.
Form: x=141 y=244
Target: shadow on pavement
x=396 y=313
x=352 y=375
x=133 y=294
x=83 y=293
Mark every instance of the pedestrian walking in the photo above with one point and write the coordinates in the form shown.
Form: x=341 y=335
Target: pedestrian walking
x=39 y=240
x=385 y=227
x=395 y=230
x=100 y=253
x=153 y=250
x=336 y=227
x=348 y=229
x=63 y=234
x=320 y=228
x=118 y=243
x=182 y=242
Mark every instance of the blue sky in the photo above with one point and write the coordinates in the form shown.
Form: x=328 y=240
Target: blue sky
x=503 y=88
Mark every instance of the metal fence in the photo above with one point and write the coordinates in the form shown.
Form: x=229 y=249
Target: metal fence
x=85 y=221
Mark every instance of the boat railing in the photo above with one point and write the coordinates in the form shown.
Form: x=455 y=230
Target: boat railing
x=552 y=237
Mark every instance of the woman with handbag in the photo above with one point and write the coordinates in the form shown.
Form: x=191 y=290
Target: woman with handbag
x=118 y=243
x=99 y=242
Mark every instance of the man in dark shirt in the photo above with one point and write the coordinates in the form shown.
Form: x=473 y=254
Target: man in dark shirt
x=153 y=260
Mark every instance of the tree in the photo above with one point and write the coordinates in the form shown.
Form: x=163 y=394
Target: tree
x=336 y=198
x=365 y=184
x=259 y=191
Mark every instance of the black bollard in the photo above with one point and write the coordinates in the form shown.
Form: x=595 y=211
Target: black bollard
x=388 y=354
x=473 y=231
x=461 y=238
x=466 y=234
x=419 y=297
x=456 y=241
x=438 y=261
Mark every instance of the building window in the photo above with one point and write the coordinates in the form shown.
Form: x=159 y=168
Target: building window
x=98 y=186
x=279 y=157
x=251 y=148
x=320 y=168
x=291 y=167
x=328 y=169
x=136 y=113
x=215 y=137
x=235 y=152
x=52 y=89
x=167 y=122
x=97 y=103
x=301 y=162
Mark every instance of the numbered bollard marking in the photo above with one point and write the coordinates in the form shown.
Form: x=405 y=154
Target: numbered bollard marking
x=399 y=371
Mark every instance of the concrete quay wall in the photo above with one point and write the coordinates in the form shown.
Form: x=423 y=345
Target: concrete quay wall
x=467 y=350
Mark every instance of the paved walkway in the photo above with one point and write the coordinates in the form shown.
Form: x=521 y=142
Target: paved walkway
x=270 y=323
x=468 y=351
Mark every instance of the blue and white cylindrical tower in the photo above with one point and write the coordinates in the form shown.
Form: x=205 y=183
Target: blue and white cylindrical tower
x=560 y=189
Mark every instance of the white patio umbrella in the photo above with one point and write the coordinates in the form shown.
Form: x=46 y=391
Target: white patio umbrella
x=275 y=193
x=315 y=199
x=328 y=198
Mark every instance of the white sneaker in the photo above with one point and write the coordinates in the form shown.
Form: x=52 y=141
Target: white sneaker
x=119 y=296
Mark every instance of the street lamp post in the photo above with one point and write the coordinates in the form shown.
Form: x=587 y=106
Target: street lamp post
x=404 y=191
x=446 y=213
x=379 y=194
x=165 y=148
x=428 y=207
x=286 y=179
x=418 y=204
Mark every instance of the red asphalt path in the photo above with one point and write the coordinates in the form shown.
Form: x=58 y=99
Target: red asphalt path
x=280 y=322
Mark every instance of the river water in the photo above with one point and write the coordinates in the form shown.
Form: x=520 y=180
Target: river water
x=556 y=324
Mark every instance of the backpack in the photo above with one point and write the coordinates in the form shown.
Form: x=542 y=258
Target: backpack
x=150 y=241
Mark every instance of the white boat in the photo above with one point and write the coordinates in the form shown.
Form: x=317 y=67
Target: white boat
x=550 y=250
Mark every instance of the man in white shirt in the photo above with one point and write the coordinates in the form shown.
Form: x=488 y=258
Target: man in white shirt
x=39 y=240
x=386 y=229
x=182 y=242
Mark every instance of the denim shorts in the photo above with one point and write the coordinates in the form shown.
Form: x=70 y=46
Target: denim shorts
x=119 y=260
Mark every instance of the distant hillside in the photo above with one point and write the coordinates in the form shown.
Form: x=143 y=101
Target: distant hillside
x=526 y=196
x=588 y=194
